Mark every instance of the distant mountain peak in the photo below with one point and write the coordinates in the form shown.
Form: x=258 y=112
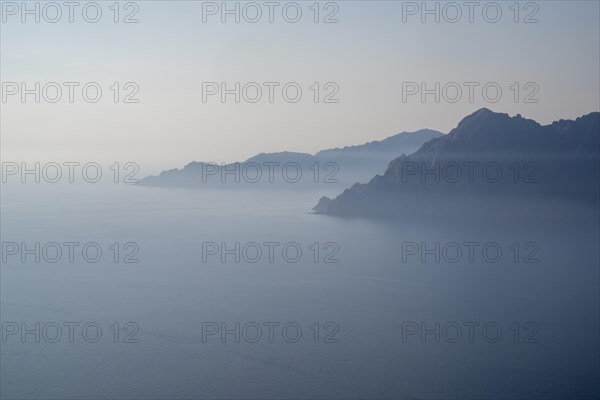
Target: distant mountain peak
x=484 y=111
x=411 y=140
x=481 y=116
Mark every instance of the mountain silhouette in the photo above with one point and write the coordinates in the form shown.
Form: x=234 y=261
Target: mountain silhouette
x=339 y=166
x=490 y=163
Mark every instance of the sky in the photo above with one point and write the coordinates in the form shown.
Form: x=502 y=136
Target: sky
x=367 y=65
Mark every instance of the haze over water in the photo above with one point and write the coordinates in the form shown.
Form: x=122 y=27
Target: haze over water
x=316 y=200
x=368 y=295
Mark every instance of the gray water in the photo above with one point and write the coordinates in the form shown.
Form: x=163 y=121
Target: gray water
x=368 y=299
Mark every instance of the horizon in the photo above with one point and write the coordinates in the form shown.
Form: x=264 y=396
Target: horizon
x=342 y=146
x=387 y=137
x=365 y=92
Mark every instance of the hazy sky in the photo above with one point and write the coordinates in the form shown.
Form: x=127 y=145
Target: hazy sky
x=368 y=54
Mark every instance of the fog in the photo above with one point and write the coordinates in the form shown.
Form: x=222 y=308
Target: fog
x=403 y=309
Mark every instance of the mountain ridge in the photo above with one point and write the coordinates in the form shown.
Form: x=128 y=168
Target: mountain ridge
x=564 y=155
x=358 y=162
